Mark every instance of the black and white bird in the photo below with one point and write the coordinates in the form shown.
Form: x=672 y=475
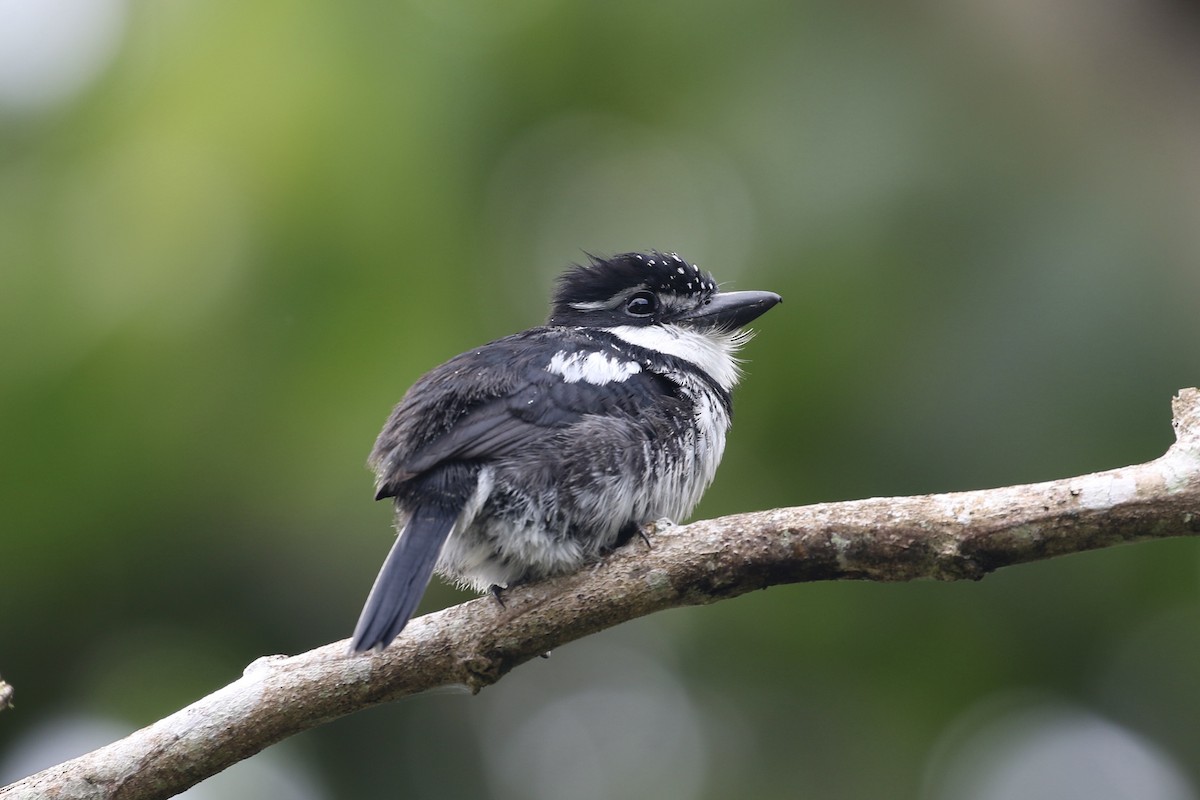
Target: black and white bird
x=538 y=452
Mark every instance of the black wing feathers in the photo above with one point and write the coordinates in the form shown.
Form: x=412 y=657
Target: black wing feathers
x=505 y=404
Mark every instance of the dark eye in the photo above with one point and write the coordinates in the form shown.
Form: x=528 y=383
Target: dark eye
x=642 y=304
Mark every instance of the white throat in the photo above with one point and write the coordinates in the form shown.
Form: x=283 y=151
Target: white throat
x=710 y=350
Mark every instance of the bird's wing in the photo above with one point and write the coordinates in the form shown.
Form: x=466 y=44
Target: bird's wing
x=505 y=395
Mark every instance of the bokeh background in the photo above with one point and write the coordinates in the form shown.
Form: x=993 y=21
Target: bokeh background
x=232 y=234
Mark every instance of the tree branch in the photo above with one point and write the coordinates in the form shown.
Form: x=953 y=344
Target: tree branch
x=943 y=536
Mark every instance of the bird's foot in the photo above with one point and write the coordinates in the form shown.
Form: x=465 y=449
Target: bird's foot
x=648 y=529
x=497 y=593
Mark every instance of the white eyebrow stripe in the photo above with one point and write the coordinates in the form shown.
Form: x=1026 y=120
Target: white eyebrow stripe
x=592 y=305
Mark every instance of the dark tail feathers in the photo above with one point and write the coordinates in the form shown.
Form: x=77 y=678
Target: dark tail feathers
x=403 y=578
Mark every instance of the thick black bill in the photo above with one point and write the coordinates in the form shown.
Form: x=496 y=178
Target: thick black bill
x=733 y=309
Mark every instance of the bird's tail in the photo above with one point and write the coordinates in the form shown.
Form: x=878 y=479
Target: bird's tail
x=403 y=578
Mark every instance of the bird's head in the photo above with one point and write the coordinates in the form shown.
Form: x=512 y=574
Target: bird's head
x=660 y=302
x=652 y=289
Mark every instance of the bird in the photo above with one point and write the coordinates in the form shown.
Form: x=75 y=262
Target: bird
x=540 y=452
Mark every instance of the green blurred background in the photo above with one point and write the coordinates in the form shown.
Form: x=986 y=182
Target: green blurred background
x=232 y=234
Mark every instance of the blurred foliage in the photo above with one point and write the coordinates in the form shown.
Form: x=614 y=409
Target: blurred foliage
x=228 y=253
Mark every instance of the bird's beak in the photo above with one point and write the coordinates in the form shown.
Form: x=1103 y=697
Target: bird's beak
x=731 y=310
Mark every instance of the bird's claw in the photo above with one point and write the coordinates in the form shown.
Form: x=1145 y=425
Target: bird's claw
x=648 y=529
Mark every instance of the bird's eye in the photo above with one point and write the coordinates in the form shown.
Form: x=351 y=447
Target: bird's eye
x=642 y=304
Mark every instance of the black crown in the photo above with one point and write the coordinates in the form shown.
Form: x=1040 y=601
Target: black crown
x=603 y=278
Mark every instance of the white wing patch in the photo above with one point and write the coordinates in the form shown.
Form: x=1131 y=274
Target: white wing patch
x=594 y=368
